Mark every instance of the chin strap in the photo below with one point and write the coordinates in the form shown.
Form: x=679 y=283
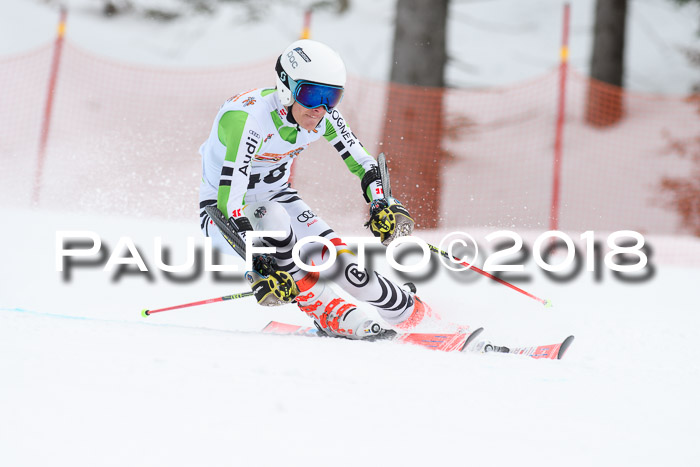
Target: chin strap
x=292 y=121
x=290 y=117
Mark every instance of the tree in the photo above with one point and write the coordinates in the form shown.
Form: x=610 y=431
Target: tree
x=414 y=125
x=607 y=63
x=685 y=2
x=684 y=192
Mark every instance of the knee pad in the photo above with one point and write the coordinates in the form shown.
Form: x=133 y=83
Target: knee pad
x=271 y=216
x=267 y=215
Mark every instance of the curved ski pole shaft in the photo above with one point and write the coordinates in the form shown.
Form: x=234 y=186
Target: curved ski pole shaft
x=147 y=312
x=546 y=303
x=384 y=173
x=227 y=229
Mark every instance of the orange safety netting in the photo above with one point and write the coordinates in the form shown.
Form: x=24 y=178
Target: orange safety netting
x=124 y=140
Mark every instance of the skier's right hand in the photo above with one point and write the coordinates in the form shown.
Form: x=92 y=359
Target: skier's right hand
x=242 y=226
x=271 y=287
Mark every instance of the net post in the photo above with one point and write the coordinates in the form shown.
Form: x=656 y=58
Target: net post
x=559 y=130
x=46 y=121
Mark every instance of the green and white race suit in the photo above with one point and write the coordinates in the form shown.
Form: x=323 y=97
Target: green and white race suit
x=246 y=164
x=252 y=147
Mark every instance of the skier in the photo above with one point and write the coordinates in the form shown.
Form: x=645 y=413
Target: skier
x=246 y=162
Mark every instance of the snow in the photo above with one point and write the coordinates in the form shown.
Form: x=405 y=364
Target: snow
x=87 y=381
x=92 y=382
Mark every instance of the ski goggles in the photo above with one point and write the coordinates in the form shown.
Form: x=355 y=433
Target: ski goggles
x=312 y=95
x=308 y=93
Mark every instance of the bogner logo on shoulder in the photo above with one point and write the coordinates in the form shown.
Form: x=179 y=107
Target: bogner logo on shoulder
x=251 y=144
x=343 y=130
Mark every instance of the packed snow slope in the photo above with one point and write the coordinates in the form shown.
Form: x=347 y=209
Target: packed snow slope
x=87 y=381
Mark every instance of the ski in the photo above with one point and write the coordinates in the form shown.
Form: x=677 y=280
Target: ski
x=445 y=342
x=449 y=342
x=551 y=351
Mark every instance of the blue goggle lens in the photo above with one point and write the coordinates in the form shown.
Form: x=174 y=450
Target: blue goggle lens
x=312 y=95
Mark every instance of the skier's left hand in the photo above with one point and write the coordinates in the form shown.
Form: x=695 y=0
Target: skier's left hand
x=271 y=287
x=389 y=219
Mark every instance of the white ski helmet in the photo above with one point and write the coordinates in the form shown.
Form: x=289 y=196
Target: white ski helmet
x=310 y=62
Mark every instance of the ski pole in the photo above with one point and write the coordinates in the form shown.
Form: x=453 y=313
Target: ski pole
x=147 y=312
x=434 y=249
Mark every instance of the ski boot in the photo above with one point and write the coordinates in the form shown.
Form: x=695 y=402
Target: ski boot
x=334 y=316
x=376 y=332
x=415 y=312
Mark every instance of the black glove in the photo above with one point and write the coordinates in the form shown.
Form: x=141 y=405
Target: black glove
x=271 y=287
x=242 y=225
x=388 y=219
